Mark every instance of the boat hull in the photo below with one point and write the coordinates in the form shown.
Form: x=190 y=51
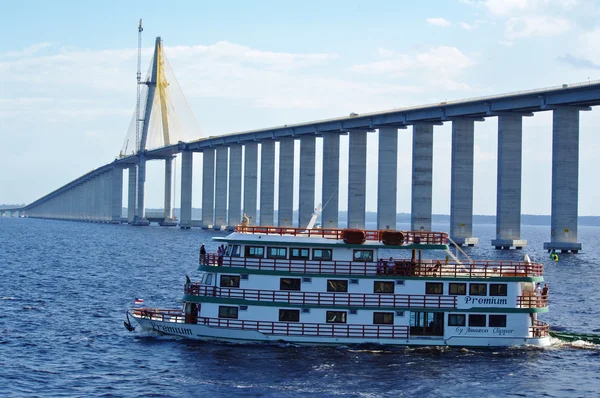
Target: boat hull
x=234 y=335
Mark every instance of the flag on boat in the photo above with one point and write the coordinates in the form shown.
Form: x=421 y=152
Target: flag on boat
x=138 y=301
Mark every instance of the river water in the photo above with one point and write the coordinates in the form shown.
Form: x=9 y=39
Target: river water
x=64 y=288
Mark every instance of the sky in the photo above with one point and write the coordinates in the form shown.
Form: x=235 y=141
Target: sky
x=68 y=89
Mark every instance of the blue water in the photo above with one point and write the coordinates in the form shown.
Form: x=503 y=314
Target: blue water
x=64 y=287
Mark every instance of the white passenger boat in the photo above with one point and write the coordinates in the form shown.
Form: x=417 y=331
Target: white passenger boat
x=334 y=286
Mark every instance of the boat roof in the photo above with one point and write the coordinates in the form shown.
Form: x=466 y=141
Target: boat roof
x=318 y=241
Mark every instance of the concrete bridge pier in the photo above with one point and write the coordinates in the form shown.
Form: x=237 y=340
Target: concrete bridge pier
x=422 y=177
x=565 y=180
x=131 y=194
x=168 y=210
x=306 y=198
x=221 y=188
x=286 y=182
x=187 y=164
x=208 y=187
x=331 y=180
x=508 y=203
x=251 y=181
x=267 y=182
x=357 y=178
x=116 y=196
x=140 y=208
x=461 y=191
x=387 y=177
x=235 y=186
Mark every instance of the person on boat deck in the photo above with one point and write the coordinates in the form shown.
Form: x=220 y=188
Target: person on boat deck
x=390 y=265
x=220 y=254
x=202 y=255
x=380 y=266
x=538 y=293
x=545 y=291
x=245 y=221
x=438 y=268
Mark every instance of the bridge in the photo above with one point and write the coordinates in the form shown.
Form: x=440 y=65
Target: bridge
x=97 y=195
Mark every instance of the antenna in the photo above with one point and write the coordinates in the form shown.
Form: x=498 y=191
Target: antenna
x=139 y=79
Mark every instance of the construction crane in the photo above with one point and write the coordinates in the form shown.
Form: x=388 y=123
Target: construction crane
x=139 y=80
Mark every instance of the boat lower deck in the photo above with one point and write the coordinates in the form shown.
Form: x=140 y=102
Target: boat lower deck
x=174 y=322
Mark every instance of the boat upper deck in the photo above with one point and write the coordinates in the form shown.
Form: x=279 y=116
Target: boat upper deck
x=337 y=237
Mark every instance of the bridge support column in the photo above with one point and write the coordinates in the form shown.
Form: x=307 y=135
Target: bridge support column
x=387 y=176
x=357 y=179
x=508 y=196
x=221 y=188
x=116 y=190
x=208 y=187
x=250 y=181
x=131 y=194
x=168 y=214
x=461 y=191
x=331 y=180
x=286 y=182
x=187 y=167
x=306 y=201
x=140 y=208
x=267 y=182
x=422 y=177
x=235 y=186
x=565 y=181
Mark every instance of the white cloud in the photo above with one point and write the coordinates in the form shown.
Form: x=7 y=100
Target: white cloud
x=438 y=67
x=536 y=26
x=508 y=7
x=28 y=51
x=466 y=26
x=438 y=22
x=384 y=52
x=507 y=43
x=589 y=45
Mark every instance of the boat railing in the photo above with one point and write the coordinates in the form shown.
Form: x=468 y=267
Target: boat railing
x=532 y=301
x=325 y=298
x=539 y=329
x=410 y=237
x=160 y=314
x=397 y=267
x=311 y=329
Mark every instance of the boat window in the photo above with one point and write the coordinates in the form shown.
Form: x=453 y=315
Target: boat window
x=232 y=251
x=457 y=320
x=460 y=289
x=335 y=285
x=230 y=281
x=254 y=251
x=383 y=287
x=383 y=318
x=336 y=316
x=208 y=279
x=498 y=321
x=289 y=315
x=322 y=254
x=228 y=312
x=299 y=254
x=498 y=289
x=289 y=284
x=276 y=252
x=476 y=320
x=434 y=288
x=478 y=289
x=363 y=255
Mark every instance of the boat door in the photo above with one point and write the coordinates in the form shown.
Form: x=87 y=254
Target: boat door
x=191 y=312
x=426 y=323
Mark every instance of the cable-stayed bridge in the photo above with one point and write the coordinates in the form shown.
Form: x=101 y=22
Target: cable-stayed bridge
x=231 y=165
